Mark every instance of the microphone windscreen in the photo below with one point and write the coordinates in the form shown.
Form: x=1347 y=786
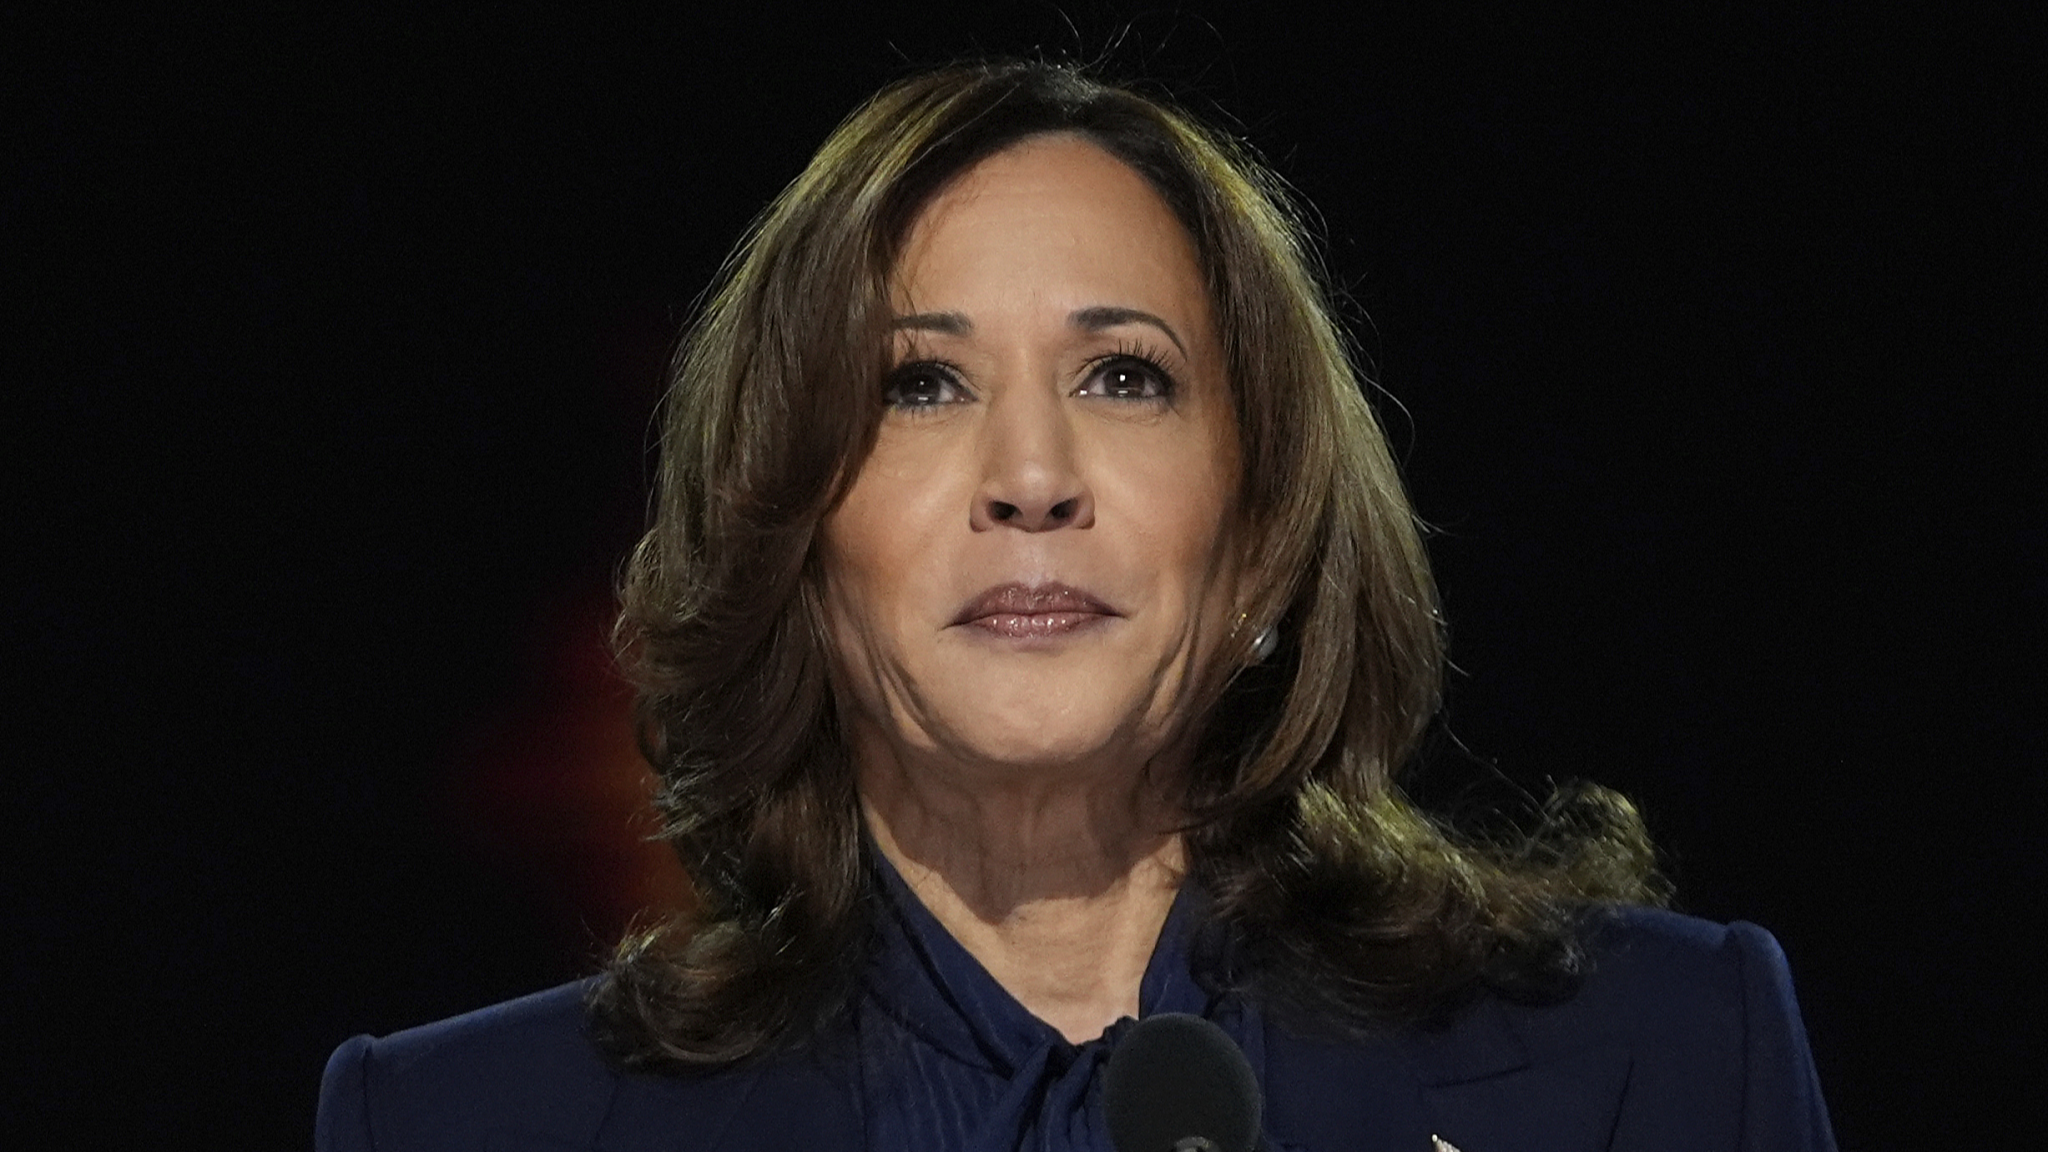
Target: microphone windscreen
x=1177 y=1082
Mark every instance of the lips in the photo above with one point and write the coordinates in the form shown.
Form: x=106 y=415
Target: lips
x=1028 y=611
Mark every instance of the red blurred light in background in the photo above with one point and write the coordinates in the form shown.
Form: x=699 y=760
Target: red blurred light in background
x=553 y=791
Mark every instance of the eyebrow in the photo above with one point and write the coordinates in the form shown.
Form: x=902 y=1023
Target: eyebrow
x=949 y=323
x=1098 y=318
x=1089 y=319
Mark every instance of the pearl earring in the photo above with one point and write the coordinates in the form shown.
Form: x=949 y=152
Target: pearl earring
x=1264 y=645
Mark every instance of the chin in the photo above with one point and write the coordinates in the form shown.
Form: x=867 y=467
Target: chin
x=1029 y=752
x=1051 y=739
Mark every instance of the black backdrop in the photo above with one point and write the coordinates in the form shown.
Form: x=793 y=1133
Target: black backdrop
x=1714 y=336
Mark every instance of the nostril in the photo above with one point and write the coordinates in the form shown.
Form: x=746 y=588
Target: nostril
x=1062 y=510
x=1001 y=510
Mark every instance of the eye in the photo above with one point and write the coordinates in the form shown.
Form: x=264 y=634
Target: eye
x=1127 y=376
x=923 y=386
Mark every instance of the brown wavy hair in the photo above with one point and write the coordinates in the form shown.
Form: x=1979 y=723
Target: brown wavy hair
x=1343 y=900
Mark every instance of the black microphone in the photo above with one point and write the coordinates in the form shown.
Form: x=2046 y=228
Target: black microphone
x=1177 y=1083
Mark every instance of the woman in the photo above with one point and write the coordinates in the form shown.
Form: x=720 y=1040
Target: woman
x=1030 y=630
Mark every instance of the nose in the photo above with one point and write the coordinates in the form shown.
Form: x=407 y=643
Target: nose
x=1030 y=480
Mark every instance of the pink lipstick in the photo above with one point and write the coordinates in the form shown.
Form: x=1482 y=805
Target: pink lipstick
x=1033 y=611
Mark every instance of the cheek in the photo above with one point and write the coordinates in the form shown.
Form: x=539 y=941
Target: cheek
x=1182 y=503
x=855 y=555
x=875 y=545
x=855 y=616
x=908 y=482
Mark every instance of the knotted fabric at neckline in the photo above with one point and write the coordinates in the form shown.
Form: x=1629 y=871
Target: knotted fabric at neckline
x=951 y=1062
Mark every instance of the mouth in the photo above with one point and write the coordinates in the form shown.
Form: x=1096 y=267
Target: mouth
x=1033 y=611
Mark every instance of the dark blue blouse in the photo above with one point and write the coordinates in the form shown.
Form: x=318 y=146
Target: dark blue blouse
x=951 y=1062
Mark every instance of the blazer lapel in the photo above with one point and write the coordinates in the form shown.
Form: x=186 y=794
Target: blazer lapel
x=786 y=1102
x=1483 y=1093
x=1472 y=1085
x=1342 y=1096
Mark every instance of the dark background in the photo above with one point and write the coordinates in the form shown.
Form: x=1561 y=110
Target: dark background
x=1715 y=336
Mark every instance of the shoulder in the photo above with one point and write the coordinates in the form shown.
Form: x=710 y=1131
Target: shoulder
x=1696 y=1025
x=523 y=1060
x=1671 y=985
x=1688 y=967
x=1666 y=989
x=525 y=1074
x=1682 y=1034
x=1707 y=1002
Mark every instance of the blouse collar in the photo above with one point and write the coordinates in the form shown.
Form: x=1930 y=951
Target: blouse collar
x=937 y=989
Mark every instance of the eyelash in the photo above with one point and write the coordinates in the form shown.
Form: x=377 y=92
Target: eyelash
x=1145 y=359
x=892 y=386
x=1129 y=354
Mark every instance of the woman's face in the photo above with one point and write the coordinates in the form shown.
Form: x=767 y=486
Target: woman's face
x=1036 y=560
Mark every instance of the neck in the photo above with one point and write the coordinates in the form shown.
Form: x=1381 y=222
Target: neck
x=1059 y=887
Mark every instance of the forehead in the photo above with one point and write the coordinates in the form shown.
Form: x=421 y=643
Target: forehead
x=1057 y=215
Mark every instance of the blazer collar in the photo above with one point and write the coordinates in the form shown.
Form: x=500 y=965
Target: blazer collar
x=1474 y=1083
x=1485 y=1092
x=782 y=1102
x=1479 y=1043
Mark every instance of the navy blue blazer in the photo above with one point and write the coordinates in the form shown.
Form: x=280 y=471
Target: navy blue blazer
x=1684 y=1036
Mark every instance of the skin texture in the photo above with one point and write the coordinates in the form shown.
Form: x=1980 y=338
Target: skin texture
x=1012 y=768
